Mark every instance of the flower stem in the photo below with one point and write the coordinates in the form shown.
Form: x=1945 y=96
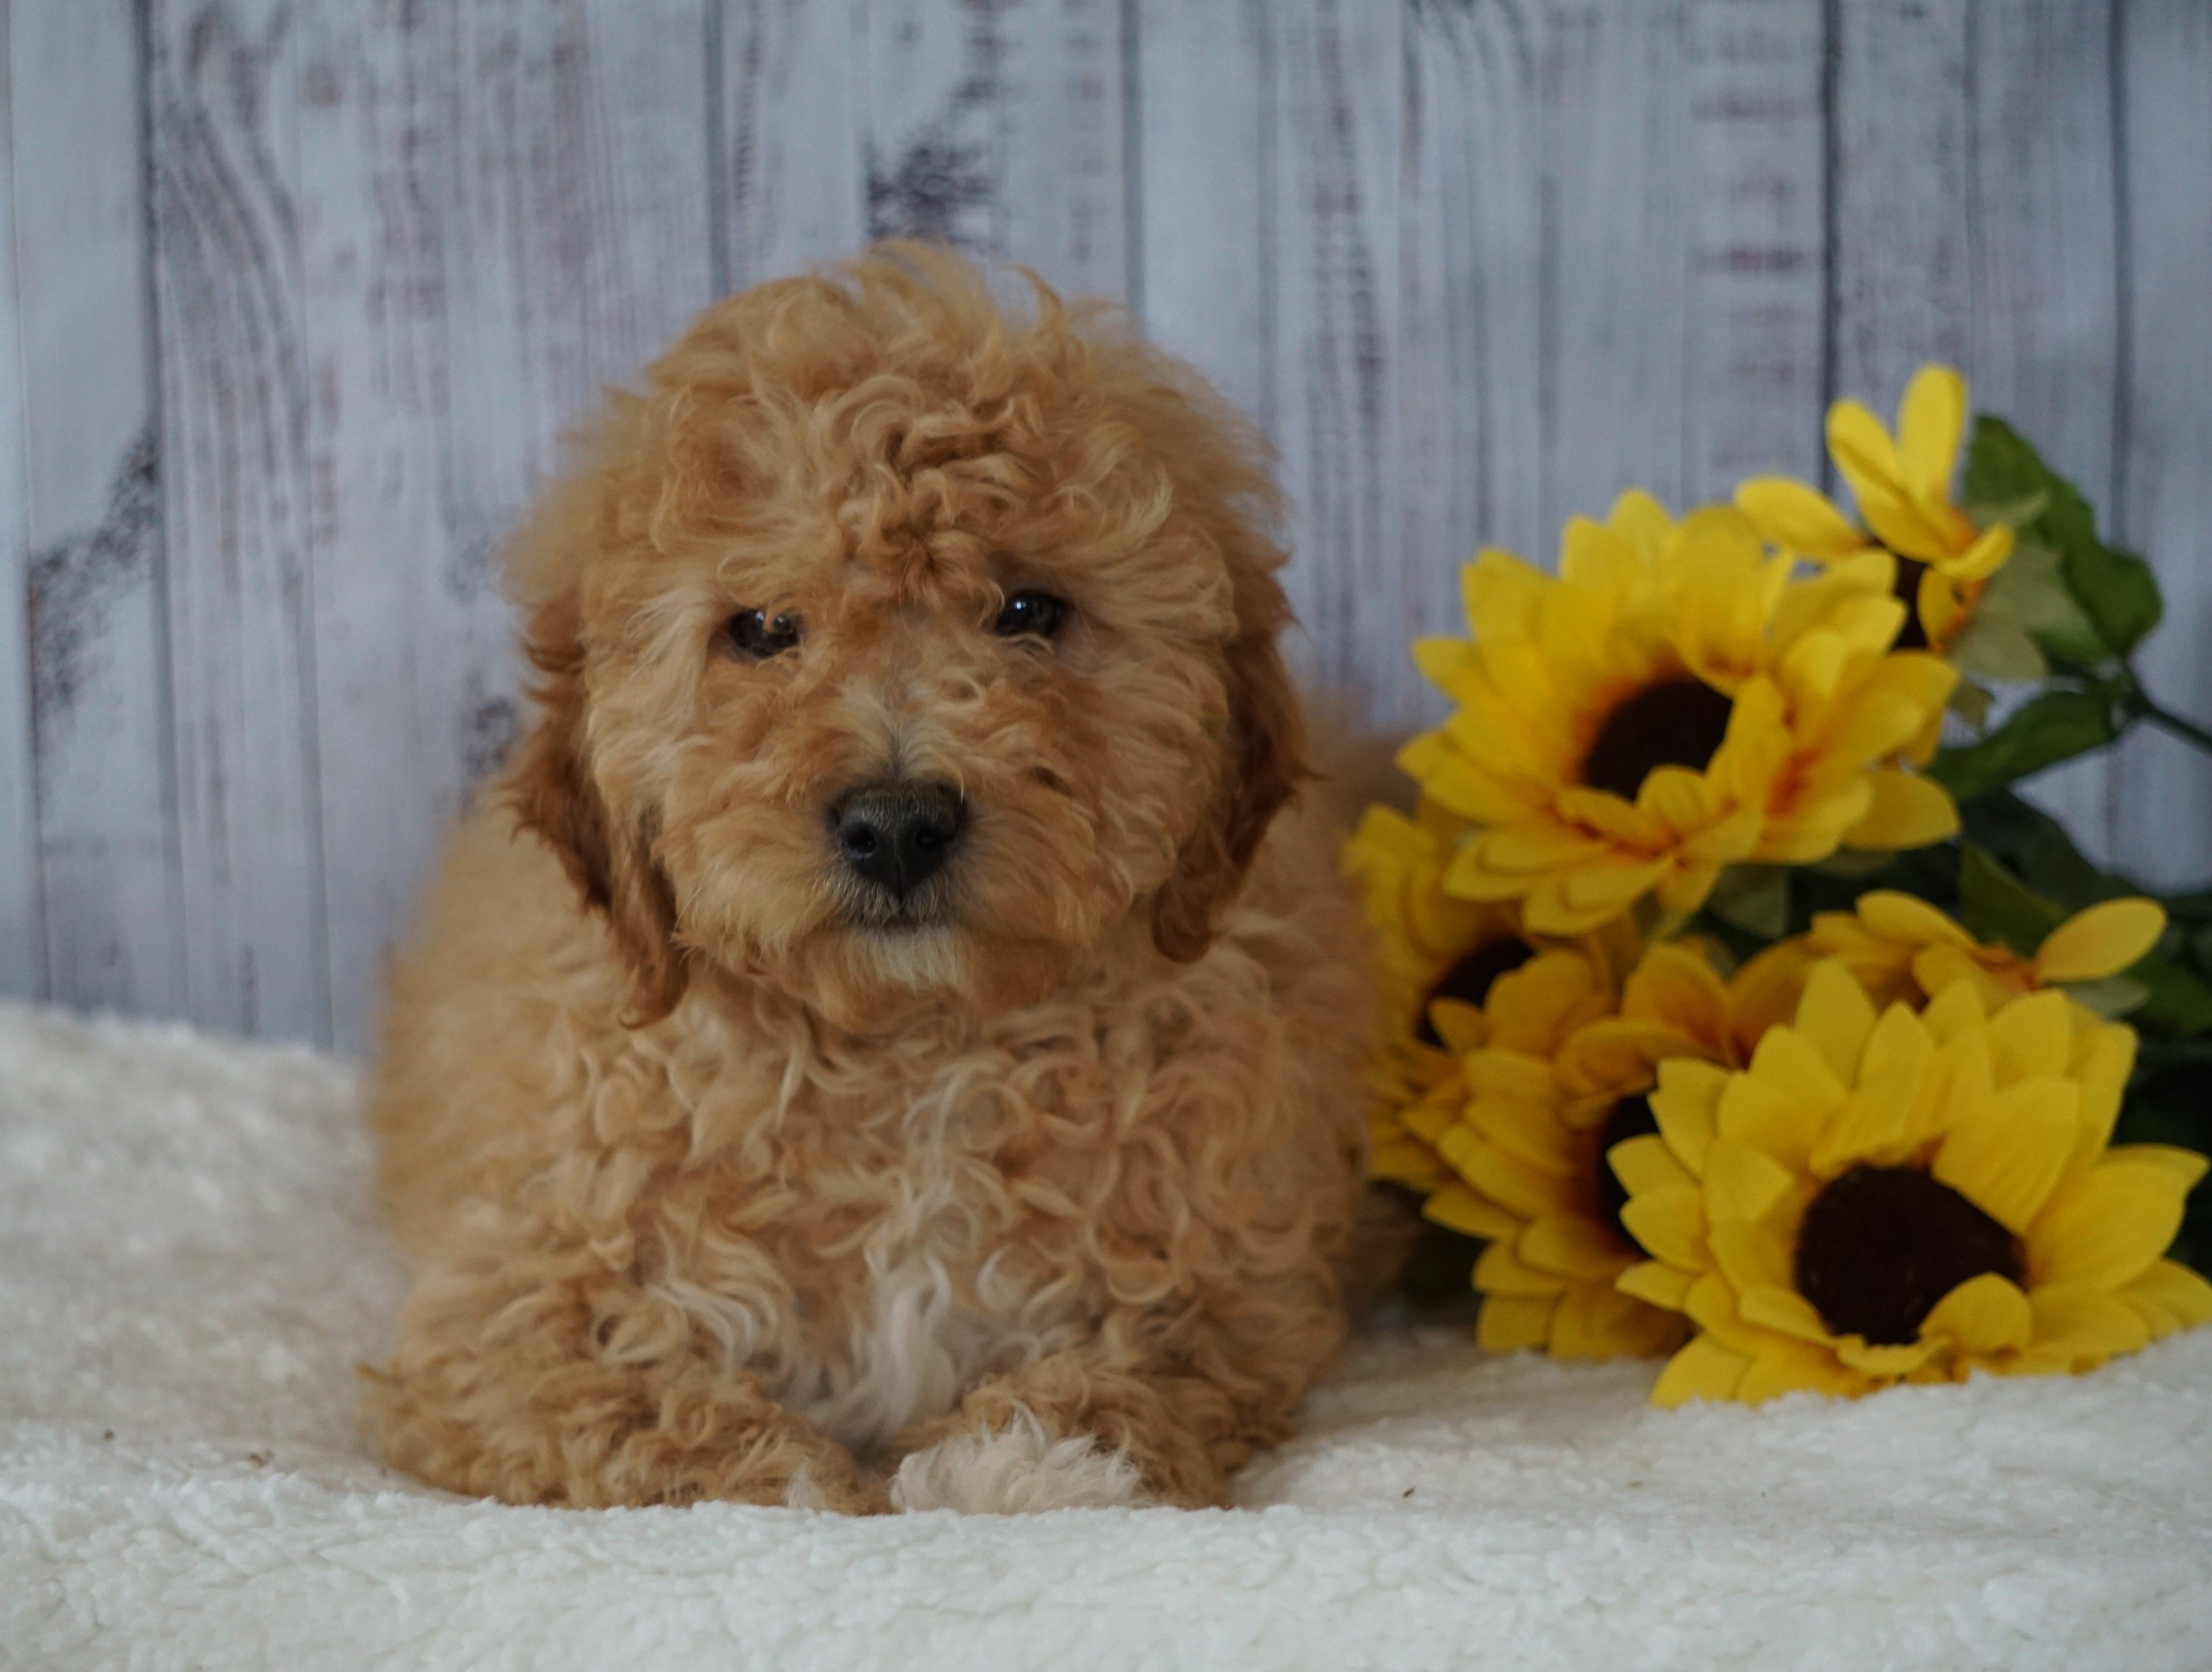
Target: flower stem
x=2187 y=731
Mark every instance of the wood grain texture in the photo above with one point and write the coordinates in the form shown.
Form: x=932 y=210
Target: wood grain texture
x=997 y=125
x=1755 y=297
x=789 y=187
x=2163 y=789
x=300 y=294
x=1899 y=139
x=1472 y=301
x=2042 y=319
x=1334 y=135
x=22 y=926
x=477 y=268
x=106 y=838
x=1472 y=295
x=233 y=425
x=1204 y=95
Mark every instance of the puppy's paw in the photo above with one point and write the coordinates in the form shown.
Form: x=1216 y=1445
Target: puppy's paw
x=1018 y=1469
x=836 y=1491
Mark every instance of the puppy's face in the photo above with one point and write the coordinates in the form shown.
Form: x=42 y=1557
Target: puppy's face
x=909 y=654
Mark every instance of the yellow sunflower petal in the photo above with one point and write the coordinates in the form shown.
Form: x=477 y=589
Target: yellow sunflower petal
x=1983 y=1315
x=1645 y=1164
x=1686 y=1106
x=1930 y=420
x=2105 y=1229
x=1907 y=917
x=2183 y=1167
x=1510 y=1182
x=1704 y=1369
x=1458 y=1209
x=1752 y=1256
x=1592 y=1322
x=1783 y=1310
x=1669 y=1224
x=2180 y=1293
x=2100 y=941
x=1573 y=1247
x=1741 y=1182
x=1791 y=1367
x=2031 y=1036
x=1641 y=521
x=1906 y=811
x=1500 y=1271
x=1754 y=1111
x=1836 y=1016
x=1887 y=1361
x=1798 y=519
x=2005 y=1155
x=2078 y=1326
x=1659 y=1284
x=1507 y=1323
x=1982 y=558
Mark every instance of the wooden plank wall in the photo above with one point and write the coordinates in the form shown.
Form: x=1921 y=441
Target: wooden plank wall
x=297 y=297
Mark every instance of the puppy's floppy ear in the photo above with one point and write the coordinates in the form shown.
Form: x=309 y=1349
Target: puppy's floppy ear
x=1264 y=761
x=608 y=857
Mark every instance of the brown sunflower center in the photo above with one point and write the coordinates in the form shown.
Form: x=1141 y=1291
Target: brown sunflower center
x=1913 y=635
x=1880 y=1246
x=1677 y=723
x=1631 y=1117
x=1469 y=980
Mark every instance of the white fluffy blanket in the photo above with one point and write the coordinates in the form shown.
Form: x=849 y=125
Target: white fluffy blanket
x=188 y=1274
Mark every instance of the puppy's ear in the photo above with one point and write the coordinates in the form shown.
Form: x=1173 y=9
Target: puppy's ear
x=608 y=857
x=1265 y=761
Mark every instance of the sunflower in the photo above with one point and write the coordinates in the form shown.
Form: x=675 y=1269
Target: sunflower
x=1429 y=947
x=1944 y=562
x=1893 y=1196
x=1673 y=703
x=1900 y=948
x=1554 y=1069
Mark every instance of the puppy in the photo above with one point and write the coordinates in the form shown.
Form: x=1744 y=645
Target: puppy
x=878 y=1046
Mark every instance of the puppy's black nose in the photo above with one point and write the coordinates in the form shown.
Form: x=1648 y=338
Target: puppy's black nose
x=898 y=835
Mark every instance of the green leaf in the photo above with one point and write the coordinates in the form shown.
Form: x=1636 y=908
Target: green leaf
x=2115 y=589
x=2035 y=847
x=2112 y=997
x=2042 y=732
x=2176 y=999
x=1754 y=898
x=1996 y=905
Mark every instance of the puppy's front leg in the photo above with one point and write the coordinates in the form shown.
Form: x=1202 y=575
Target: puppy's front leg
x=543 y=1377
x=1094 y=1426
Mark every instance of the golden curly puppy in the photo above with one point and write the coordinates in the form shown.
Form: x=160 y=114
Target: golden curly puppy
x=902 y=1060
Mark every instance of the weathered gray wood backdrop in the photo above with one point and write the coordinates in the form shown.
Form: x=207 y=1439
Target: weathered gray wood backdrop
x=297 y=298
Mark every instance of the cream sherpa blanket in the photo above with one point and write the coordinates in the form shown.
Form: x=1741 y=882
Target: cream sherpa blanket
x=188 y=1274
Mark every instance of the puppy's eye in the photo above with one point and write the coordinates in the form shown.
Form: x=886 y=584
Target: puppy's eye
x=1030 y=613
x=757 y=634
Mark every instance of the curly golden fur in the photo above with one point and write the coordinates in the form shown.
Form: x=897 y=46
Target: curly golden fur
x=722 y=1177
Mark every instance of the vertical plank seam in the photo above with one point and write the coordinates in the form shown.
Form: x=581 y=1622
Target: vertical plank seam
x=1970 y=160
x=35 y=858
x=2124 y=323
x=2124 y=334
x=719 y=229
x=1267 y=141
x=1133 y=161
x=298 y=419
x=1548 y=233
x=157 y=534
x=1831 y=58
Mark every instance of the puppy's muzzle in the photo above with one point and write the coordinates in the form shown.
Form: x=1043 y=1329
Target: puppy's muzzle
x=897 y=835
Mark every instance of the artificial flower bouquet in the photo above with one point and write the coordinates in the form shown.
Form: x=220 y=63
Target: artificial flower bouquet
x=1737 y=1009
